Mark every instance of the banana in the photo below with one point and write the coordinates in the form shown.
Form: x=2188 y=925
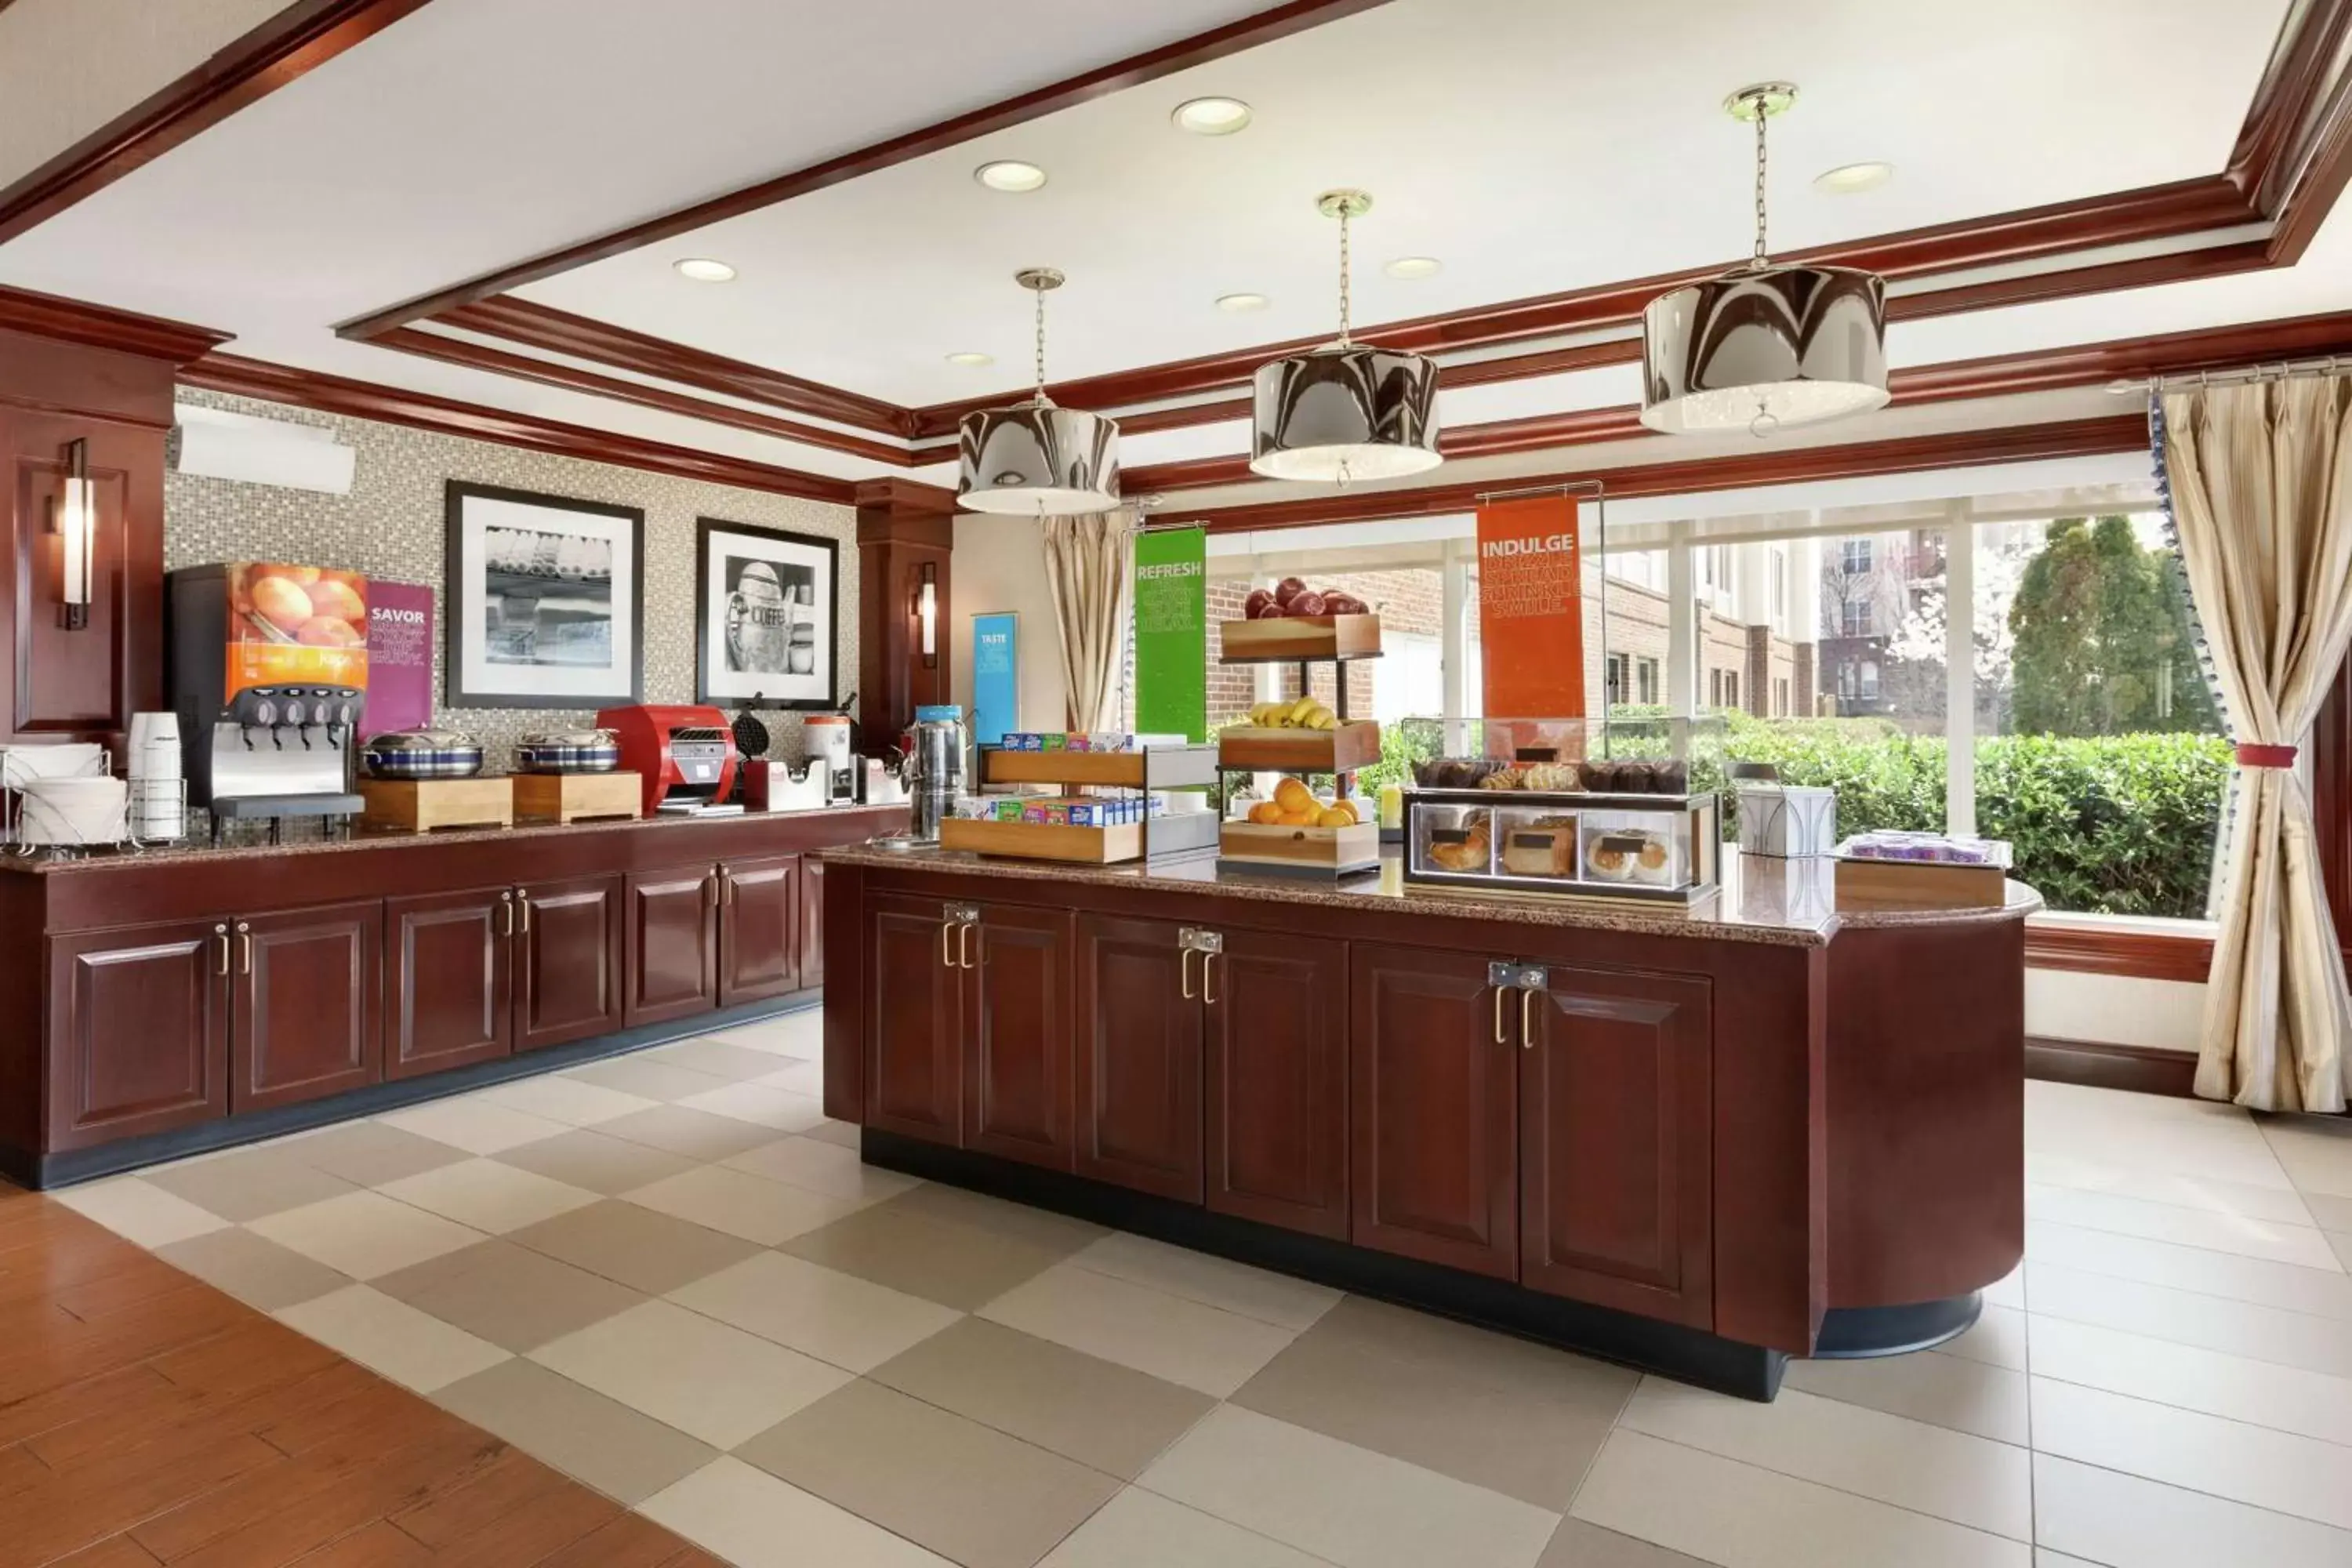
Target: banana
x=1326 y=719
x=1301 y=711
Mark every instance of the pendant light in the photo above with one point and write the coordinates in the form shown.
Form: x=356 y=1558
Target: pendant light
x=1034 y=457
x=1345 y=410
x=1765 y=346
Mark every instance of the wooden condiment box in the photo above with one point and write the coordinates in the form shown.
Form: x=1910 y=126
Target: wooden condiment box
x=420 y=806
x=575 y=797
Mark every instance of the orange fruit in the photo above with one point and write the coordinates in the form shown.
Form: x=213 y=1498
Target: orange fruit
x=1336 y=816
x=1294 y=796
x=1266 y=813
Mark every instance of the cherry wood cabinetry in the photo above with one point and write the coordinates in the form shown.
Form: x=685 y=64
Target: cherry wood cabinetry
x=569 y=962
x=673 y=943
x=914 y=1019
x=1139 y=1056
x=449 y=979
x=762 y=910
x=1615 y=1160
x=306 y=1016
x=1276 y=1080
x=1434 y=1078
x=138 y=1030
x=1014 y=963
x=812 y=926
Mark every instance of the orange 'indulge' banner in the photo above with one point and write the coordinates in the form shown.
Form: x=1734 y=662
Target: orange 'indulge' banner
x=1530 y=608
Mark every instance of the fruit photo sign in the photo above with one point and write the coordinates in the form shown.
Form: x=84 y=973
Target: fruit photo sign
x=296 y=626
x=1531 y=608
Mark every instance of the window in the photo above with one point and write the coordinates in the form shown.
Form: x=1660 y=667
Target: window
x=1853 y=619
x=1780 y=697
x=1853 y=557
x=1778 y=560
x=1645 y=680
x=1730 y=690
x=1866 y=686
x=1617 y=666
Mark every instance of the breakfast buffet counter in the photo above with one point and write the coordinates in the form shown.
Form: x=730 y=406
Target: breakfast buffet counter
x=1699 y=1140
x=155 y=1003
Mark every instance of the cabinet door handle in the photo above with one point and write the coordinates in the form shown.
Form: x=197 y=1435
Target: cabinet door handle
x=222 y=931
x=710 y=892
x=506 y=914
x=1185 y=967
x=947 y=932
x=244 y=948
x=1208 y=974
x=964 y=945
x=522 y=906
x=1527 y=1018
x=1500 y=1038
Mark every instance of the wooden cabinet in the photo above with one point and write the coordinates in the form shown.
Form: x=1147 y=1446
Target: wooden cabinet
x=306 y=1009
x=761 y=915
x=1615 y=1144
x=812 y=928
x=673 y=944
x=1137 y=1088
x=569 y=960
x=1435 y=1134
x=448 y=987
x=138 y=1030
x=1275 y=1122
x=1015 y=967
x=913 y=1007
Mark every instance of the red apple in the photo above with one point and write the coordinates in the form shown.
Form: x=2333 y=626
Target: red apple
x=1258 y=606
x=1289 y=588
x=1307 y=604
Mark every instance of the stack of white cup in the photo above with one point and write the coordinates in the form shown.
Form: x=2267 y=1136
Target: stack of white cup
x=159 y=807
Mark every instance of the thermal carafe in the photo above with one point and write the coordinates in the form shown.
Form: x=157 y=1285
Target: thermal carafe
x=935 y=768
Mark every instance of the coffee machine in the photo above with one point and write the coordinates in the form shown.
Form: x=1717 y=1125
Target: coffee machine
x=268 y=678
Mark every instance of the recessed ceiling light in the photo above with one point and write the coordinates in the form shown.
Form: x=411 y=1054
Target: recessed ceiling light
x=1237 y=303
x=1853 y=179
x=702 y=270
x=971 y=356
x=1413 y=266
x=1212 y=116
x=1010 y=174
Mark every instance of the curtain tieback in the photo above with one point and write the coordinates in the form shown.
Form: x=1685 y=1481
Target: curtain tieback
x=2265 y=756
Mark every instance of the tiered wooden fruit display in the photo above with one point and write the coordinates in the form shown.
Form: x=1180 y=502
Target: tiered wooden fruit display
x=1151 y=768
x=1303 y=737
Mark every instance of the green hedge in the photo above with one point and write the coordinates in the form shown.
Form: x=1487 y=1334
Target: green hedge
x=2108 y=825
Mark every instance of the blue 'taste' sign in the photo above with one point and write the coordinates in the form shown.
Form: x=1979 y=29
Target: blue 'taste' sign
x=995 y=677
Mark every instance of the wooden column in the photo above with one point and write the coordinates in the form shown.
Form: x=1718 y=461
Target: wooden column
x=73 y=372
x=902 y=527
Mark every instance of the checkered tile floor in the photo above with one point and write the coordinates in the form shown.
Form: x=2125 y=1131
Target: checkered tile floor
x=670 y=1277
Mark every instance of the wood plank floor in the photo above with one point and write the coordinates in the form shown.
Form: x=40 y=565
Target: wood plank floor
x=147 y=1418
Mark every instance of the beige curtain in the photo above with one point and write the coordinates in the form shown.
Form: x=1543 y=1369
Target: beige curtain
x=2261 y=493
x=1089 y=568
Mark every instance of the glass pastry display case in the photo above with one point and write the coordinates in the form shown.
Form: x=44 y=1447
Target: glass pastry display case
x=1660 y=848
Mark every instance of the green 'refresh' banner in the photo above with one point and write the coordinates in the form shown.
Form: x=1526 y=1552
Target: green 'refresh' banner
x=1171 y=633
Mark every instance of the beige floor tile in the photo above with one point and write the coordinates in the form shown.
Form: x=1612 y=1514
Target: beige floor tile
x=591 y=1438
x=1531 y=1440
x=1184 y=1342
x=966 y=1492
x=744 y=1206
x=819 y=1311
x=2329 y=1212
x=259 y=1273
x=1350 y=1505
x=1966 y=1395
x=697 y=1134
x=2252 y=1465
x=410 y=1347
x=248 y=1184
x=822 y=1167
x=1108 y=1416
x=2047 y=1559
x=365 y=1233
x=754 y=1521
x=2258 y=1393
x=489 y=1194
x=368 y=1154
x=2282 y=1203
x=800 y=1077
x=1257 y=1293
x=2192 y=1318
x=2325 y=1292
x=799 y=1034
x=2195 y=1139
x=140 y=1213
x=596 y=1160
x=711 y=1381
x=2268 y=1239
x=1459 y=1350
x=760 y=1104
x=473 y=1125
x=2008 y=1290
x=1997 y=1339
x=648 y=1079
x=635 y=1246
x=1720 y=1510
x=1138 y=1529
x=951 y=1264
x=1576 y=1544
x=1908 y=1464
x=509 y=1295
x=1015 y=1222
x=2341 y=1241
x=2108 y=1517
x=844 y=1133
x=566 y=1099
x=718 y=1057
x=2317 y=1151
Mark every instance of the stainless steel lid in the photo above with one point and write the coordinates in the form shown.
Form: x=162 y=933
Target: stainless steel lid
x=571 y=738
x=422 y=740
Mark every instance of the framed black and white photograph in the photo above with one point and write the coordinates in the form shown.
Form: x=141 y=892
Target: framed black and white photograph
x=766 y=616
x=545 y=601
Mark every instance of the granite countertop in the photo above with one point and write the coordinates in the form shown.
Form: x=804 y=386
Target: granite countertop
x=1786 y=903
x=46 y=862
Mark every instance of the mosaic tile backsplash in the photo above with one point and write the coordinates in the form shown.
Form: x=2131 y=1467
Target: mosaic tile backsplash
x=392 y=525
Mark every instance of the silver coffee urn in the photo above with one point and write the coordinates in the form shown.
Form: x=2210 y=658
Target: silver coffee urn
x=935 y=768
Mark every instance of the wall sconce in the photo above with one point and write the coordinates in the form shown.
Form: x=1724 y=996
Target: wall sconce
x=73 y=516
x=926 y=612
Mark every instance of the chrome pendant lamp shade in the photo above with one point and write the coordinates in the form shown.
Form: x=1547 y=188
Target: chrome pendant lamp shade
x=1766 y=347
x=1035 y=458
x=1346 y=411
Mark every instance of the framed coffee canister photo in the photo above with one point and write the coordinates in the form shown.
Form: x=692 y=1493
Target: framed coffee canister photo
x=545 y=600
x=766 y=616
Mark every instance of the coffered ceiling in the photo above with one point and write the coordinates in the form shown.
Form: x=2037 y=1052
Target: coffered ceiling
x=483 y=200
